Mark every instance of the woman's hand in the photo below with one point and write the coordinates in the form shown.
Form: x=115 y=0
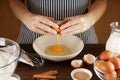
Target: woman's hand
x=35 y=23
x=40 y=24
x=77 y=24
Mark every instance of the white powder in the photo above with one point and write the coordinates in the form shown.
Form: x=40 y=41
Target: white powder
x=2 y=41
x=6 y=57
x=11 y=78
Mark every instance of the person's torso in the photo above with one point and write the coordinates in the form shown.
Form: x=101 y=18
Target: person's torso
x=58 y=9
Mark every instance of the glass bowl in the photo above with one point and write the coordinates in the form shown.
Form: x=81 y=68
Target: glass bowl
x=105 y=76
x=9 y=55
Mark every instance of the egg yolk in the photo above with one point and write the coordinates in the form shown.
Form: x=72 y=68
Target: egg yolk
x=56 y=48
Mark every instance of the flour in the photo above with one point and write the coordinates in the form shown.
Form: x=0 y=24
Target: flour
x=7 y=66
x=2 y=41
x=4 y=58
x=11 y=78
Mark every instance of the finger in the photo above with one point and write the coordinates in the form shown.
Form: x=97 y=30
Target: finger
x=75 y=31
x=50 y=23
x=64 y=21
x=45 y=28
x=69 y=29
x=71 y=33
x=49 y=34
x=69 y=23
x=37 y=30
x=52 y=19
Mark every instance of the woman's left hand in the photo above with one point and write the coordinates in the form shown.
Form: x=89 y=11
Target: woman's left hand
x=76 y=24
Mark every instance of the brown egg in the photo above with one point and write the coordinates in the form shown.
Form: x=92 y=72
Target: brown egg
x=98 y=63
x=116 y=62
x=111 y=76
x=105 y=66
x=118 y=56
x=118 y=72
x=106 y=55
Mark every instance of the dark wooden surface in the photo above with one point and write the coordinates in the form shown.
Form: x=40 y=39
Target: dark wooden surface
x=64 y=68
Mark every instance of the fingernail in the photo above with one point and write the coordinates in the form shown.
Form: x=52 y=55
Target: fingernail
x=54 y=32
x=62 y=27
x=62 y=32
x=57 y=26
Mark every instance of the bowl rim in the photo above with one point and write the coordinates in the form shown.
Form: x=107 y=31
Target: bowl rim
x=76 y=53
x=81 y=70
x=17 y=57
x=61 y=56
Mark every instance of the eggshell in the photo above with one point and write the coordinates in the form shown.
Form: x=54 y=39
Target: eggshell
x=57 y=29
x=76 y=63
x=106 y=55
x=89 y=58
x=116 y=62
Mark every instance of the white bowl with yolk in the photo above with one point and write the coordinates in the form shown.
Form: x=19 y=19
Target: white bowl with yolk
x=74 y=43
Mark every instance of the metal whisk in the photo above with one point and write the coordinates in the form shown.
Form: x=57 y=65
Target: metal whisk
x=36 y=59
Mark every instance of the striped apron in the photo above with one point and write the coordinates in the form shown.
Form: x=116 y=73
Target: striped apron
x=57 y=9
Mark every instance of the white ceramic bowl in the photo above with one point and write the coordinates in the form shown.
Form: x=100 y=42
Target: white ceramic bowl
x=81 y=70
x=72 y=42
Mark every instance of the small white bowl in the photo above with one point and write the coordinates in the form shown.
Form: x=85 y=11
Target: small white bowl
x=81 y=70
x=74 y=43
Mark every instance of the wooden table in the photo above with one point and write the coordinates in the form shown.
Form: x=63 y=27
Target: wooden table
x=64 y=68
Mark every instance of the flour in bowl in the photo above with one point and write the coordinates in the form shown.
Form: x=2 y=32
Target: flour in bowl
x=7 y=61
x=11 y=78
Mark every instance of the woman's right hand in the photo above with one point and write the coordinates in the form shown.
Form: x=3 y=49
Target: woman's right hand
x=36 y=23
x=40 y=24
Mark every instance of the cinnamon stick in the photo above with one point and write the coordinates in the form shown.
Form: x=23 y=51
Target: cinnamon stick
x=46 y=75
x=50 y=72
x=43 y=76
x=43 y=79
